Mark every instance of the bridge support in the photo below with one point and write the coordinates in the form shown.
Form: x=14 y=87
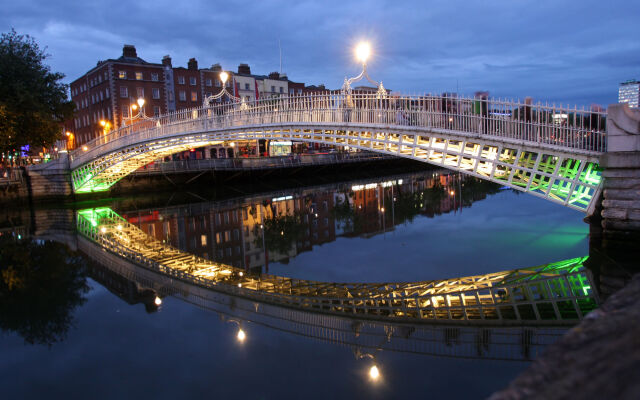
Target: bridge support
x=621 y=172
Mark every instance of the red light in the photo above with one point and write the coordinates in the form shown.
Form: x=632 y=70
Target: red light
x=192 y=150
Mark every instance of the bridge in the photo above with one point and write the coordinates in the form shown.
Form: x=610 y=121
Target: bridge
x=547 y=151
x=555 y=294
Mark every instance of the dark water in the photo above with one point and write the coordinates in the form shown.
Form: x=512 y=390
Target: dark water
x=64 y=340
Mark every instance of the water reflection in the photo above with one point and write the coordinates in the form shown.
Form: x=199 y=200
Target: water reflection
x=250 y=232
x=41 y=285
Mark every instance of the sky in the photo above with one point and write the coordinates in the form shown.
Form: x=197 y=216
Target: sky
x=568 y=52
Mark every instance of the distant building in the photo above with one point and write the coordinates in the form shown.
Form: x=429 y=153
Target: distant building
x=629 y=92
x=108 y=91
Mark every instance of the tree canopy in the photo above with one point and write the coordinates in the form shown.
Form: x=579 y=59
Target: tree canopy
x=33 y=101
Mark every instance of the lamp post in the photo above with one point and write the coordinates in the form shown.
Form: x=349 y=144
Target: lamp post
x=106 y=127
x=137 y=106
x=363 y=51
x=224 y=76
x=70 y=136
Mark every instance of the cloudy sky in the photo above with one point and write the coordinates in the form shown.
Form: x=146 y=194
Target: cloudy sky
x=558 y=51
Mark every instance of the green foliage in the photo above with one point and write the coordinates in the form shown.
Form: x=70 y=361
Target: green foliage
x=40 y=285
x=33 y=103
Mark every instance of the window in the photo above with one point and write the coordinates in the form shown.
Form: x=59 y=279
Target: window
x=106 y=93
x=122 y=74
x=218 y=238
x=236 y=234
x=299 y=91
x=156 y=111
x=291 y=92
x=246 y=86
x=140 y=92
x=125 y=111
x=208 y=82
x=192 y=80
x=218 y=83
x=138 y=76
x=194 y=96
x=281 y=89
x=154 y=77
x=101 y=97
x=273 y=88
x=182 y=95
x=181 y=80
x=227 y=236
x=155 y=93
x=203 y=240
x=124 y=92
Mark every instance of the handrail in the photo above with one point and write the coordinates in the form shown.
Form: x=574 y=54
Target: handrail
x=570 y=128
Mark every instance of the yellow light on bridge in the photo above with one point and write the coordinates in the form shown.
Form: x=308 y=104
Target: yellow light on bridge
x=103 y=122
x=241 y=336
x=363 y=50
x=157 y=301
x=103 y=230
x=374 y=373
x=223 y=77
x=134 y=107
x=119 y=227
x=85 y=148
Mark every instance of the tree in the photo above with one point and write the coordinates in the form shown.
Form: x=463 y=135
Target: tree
x=33 y=101
x=40 y=286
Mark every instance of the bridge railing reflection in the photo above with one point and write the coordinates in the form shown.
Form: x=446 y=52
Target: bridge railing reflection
x=552 y=294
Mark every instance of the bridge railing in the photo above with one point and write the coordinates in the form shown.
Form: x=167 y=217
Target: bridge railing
x=568 y=128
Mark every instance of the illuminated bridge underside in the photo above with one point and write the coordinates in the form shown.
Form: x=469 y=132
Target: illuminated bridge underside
x=570 y=179
x=554 y=294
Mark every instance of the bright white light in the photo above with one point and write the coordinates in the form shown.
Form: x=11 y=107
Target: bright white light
x=374 y=373
x=119 y=227
x=141 y=102
x=241 y=273
x=224 y=76
x=241 y=336
x=363 y=51
x=103 y=229
x=158 y=301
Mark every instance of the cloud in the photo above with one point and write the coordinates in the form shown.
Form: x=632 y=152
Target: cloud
x=514 y=49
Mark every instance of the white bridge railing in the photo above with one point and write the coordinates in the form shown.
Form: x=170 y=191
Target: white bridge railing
x=572 y=129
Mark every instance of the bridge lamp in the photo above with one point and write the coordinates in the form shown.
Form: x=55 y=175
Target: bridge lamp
x=103 y=230
x=140 y=102
x=363 y=51
x=157 y=301
x=103 y=123
x=85 y=148
x=134 y=106
x=374 y=373
x=241 y=336
x=223 y=77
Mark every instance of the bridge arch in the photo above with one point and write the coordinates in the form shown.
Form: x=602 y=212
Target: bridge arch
x=543 y=158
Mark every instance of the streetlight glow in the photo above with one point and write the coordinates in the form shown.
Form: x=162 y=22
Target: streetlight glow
x=103 y=122
x=241 y=336
x=223 y=77
x=141 y=102
x=374 y=373
x=158 y=301
x=363 y=50
x=134 y=106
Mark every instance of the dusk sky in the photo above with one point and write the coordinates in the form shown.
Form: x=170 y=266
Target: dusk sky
x=558 y=51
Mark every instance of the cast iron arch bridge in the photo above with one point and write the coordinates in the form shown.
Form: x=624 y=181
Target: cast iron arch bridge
x=547 y=151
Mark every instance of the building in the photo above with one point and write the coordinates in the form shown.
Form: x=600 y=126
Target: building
x=109 y=91
x=629 y=92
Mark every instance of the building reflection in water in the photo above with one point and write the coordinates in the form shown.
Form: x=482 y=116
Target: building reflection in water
x=251 y=232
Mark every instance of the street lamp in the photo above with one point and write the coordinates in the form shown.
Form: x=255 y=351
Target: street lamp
x=106 y=126
x=137 y=106
x=224 y=77
x=70 y=137
x=363 y=51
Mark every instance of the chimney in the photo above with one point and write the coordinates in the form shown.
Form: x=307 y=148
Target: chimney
x=216 y=67
x=129 y=51
x=192 y=64
x=244 y=69
x=274 y=75
x=166 y=61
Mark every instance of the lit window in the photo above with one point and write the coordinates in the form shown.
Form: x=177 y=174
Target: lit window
x=192 y=81
x=154 y=77
x=122 y=75
x=203 y=240
x=194 y=96
x=139 y=76
x=181 y=80
x=124 y=92
x=156 y=93
x=182 y=95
